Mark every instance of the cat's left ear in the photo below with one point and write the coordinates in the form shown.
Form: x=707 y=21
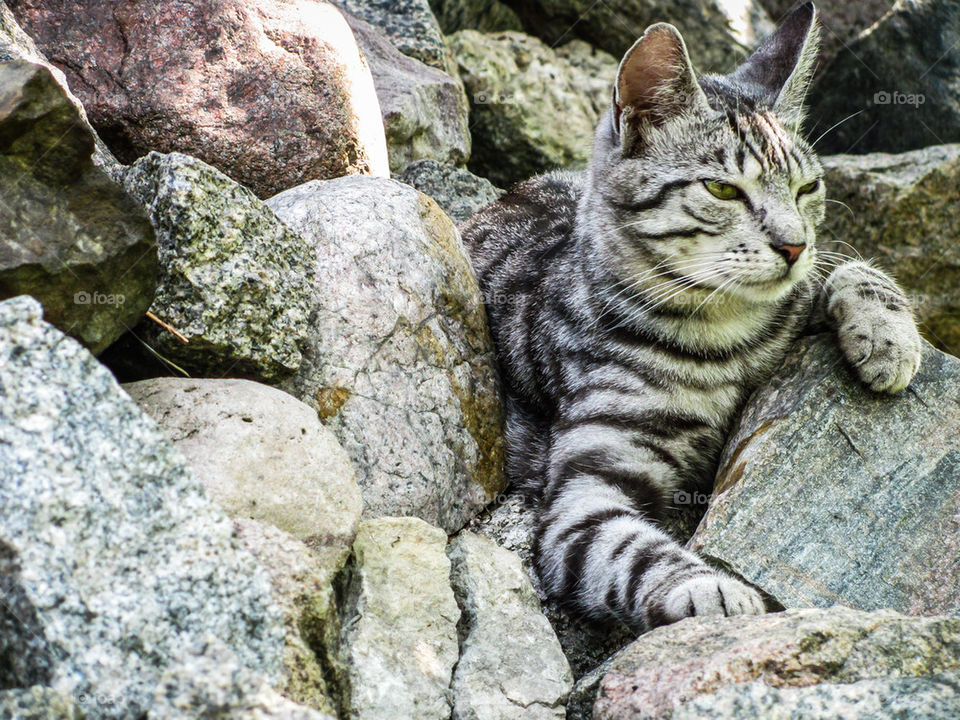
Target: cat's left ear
x=782 y=67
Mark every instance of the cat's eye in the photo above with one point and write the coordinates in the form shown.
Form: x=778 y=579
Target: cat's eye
x=722 y=190
x=809 y=187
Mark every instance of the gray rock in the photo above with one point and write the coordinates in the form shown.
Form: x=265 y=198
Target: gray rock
x=424 y=109
x=511 y=665
x=38 y=702
x=533 y=108
x=482 y=15
x=69 y=235
x=399 y=362
x=112 y=558
x=799 y=665
x=234 y=280
x=718 y=33
x=828 y=493
x=901 y=210
x=900 y=100
x=400 y=618
x=459 y=192
x=260 y=453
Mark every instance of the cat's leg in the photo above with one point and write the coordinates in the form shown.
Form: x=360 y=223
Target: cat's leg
x=874 y=324
x=527 y=444
x=597 y=548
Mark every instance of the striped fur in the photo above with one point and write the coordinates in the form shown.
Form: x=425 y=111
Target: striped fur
x=633 y=313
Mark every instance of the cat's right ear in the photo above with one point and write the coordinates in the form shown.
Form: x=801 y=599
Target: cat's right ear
x=655 y=82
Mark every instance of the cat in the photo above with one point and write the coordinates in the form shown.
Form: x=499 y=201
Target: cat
x=634 y=306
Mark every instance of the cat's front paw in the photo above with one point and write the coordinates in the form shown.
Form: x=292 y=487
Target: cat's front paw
x=884 y=349
x=711 y=594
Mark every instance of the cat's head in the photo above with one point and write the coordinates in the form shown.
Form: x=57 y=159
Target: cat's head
x=704 y=183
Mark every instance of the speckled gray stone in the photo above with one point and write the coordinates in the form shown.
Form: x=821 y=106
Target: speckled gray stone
x=459 y=192
x=807 y=664
x=511 y=665
x=399 y=639
x=112 y=558
x=829 y=493
x=233 y=278
x=482 y=15
x=399 y=362
x=39 y=703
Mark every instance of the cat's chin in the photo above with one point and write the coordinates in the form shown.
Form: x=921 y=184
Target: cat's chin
x=769 y=291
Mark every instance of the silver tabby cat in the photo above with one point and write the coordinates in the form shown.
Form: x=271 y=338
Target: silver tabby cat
x=634 y=308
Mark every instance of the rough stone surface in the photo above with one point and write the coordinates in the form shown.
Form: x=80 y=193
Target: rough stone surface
x=234 y=279
x=482 y=15
x=424 y=109
x=260 y=453
x=39 y=703
x=273 y=93
x=533 y=108
x=901 y=210
x=399 y=637
x=68 y=235
x=828 y=493
x=900 y=99
x=399 y=362
x=302 y=580
x=718 y=32
x=112 y=558
x=511 y=665
x=799 y=665
x=459 y=192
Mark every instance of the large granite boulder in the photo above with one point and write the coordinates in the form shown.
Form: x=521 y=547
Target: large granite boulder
x=113 y=561
x=482 y=15
x=39 y=703
x=901 y=210
x=896 y=87
x=828 y=493
x=260 y=453
x=234 y=280
x=273 y=93
x=398 y=362
x=424 y=109
x=533 y=107
x=69 y=235
x=511 y=666
x=458 y=192
x=399 y=638
x=799 y=665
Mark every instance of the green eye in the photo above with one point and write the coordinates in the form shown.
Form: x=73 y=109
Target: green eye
x=723 y=190
x=808 y=188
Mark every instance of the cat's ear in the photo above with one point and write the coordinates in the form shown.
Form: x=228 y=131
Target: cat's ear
x=655 y=82
x=782 y=67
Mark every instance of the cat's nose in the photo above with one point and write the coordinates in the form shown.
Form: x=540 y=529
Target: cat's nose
x=790 y=252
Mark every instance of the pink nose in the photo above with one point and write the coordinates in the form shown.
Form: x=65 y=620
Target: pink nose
x=790 y=252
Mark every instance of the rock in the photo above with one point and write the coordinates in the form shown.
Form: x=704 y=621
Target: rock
x=533 y=108
x=828 y=493
x=900 y=100
x=260 y=453
x=718 y=33
x=234 y=280
x=901 y=210
x=509 y=523
x=801 y=665
x=208 y=682
x=399 y=362
x=112 y=559
x=511 y=665
x=400 y=618
x=302 y=582
x=38 y=703
x=424 y=109
x=459 y=192
x=68 y=235
x=482 y=15
x=273 y=93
